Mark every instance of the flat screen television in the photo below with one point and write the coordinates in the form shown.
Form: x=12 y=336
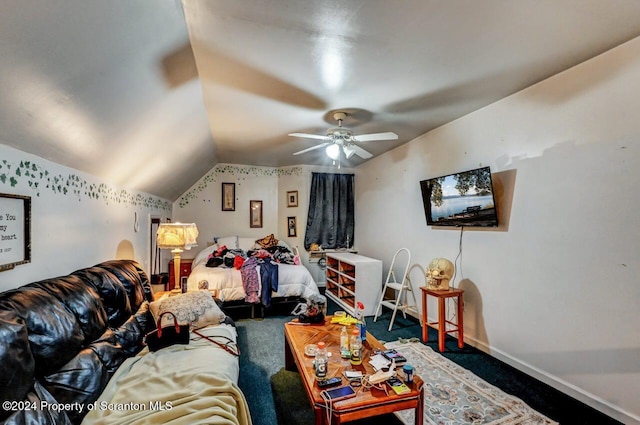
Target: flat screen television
x=461 y=199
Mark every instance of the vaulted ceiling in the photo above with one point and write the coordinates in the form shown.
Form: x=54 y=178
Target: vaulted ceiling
x=150 y=95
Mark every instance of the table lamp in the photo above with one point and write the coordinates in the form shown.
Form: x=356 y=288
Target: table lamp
x=177 y=237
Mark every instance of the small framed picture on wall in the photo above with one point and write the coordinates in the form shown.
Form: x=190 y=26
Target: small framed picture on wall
x=255 y=213
x=291 y=227
x=228 y=196
x=292 y=198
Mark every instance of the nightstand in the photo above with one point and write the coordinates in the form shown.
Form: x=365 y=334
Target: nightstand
x=185 y=271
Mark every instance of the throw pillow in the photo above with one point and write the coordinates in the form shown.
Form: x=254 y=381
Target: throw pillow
x=267 y=241
x=196 y=308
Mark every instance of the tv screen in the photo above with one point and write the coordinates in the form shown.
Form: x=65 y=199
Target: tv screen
x=461 y=199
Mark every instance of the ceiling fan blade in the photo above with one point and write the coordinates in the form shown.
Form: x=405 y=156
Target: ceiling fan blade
x=310 y=136
x=321 y=145
x=361 y=152
x=376 y=136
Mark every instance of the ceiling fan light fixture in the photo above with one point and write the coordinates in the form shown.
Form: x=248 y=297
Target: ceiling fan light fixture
x=348 y=151
x=333 y=151
x=341 y=138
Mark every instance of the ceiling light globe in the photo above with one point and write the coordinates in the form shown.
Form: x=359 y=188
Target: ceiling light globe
x=333 y=151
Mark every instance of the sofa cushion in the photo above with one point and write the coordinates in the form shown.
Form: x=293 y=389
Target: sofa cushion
x=115 y=345
x=55 y=336
x=130 y=335
x=35 y=397
x=81 y=380
x=15 y=359
x=85 y=376
x=132 y=278
x=113 y=294
x=81 y=300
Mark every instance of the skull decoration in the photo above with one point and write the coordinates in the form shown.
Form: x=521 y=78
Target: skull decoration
x=439 y=274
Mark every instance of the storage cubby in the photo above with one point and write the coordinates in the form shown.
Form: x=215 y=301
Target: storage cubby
x=353 y=278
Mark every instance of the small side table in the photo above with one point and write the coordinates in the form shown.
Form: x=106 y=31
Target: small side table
x=185 y=271
x=441 y=324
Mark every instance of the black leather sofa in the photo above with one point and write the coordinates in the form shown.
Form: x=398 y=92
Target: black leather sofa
x=63 y=338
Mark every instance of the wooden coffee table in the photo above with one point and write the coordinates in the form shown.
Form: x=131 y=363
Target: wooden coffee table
x=365 y=404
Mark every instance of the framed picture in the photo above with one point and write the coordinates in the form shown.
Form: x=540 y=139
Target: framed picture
x=292 y=198
x=291 y=227
x=255 y=213
x=15 y=230
x=228 y=196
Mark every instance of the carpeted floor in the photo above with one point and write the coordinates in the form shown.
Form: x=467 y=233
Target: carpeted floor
x=262 y=344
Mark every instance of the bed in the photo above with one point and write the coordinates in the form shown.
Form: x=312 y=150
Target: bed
x=226 y=283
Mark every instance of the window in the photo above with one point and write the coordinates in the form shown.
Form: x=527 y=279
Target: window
x=330 y=222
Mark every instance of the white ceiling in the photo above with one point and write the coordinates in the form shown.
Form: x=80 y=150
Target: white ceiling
x=152 y=94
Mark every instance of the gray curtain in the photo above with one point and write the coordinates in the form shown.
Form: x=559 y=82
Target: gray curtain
x=330 y=221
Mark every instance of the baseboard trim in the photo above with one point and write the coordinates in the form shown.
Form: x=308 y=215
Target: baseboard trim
x=559 y=384
x=578 y=393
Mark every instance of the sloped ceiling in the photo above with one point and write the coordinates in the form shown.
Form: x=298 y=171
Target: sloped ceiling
x=92 y=84
x=151 y=94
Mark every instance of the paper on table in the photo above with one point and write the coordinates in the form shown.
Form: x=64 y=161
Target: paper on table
x=378 y=361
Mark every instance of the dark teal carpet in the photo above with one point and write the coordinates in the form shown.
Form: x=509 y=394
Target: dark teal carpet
x=262 y=345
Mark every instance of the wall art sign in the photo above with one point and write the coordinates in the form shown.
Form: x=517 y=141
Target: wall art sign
x=15 y=230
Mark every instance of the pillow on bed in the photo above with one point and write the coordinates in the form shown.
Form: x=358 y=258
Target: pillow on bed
x=197 y=308
x=246 y=244
x=203 y=255
x=267 y=241
x=230 y=241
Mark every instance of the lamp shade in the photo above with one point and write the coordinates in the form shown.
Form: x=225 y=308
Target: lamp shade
x=177 y=235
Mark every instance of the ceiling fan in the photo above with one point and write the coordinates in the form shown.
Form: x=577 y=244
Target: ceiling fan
x=340 y=138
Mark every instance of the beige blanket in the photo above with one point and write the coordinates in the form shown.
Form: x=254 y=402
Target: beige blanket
x=181 y=384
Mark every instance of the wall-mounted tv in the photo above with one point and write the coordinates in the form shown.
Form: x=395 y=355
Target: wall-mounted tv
x=461 y=199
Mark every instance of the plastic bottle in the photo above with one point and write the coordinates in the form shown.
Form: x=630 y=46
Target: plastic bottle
x=321 y=361
x=356 y=347
x=362 y=323
x=345 y=353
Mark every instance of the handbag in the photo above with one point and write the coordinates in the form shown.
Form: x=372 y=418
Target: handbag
x=168 y=335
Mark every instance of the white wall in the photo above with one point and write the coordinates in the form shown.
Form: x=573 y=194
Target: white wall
x=202 y=203
x=554 y=290
x=77 y=221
